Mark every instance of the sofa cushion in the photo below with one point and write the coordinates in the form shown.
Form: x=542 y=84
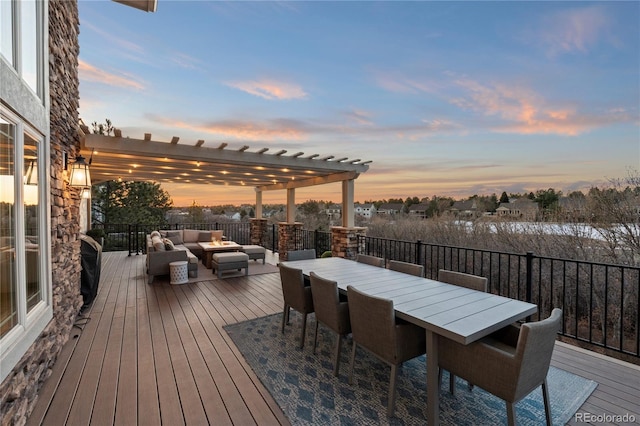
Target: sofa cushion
x=204 y=236
x=158 y=244
x=175 y=237
x=190 y=256
x=218 y=235
x=229 y=257
x=190 y=235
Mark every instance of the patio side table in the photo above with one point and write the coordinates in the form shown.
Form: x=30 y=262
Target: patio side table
x=178 y=272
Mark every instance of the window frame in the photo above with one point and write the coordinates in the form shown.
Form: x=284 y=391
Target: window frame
x=16 y=61
x=29 y=112
x=15 y=343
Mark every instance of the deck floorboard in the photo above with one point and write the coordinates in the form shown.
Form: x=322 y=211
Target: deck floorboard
x=158 y=355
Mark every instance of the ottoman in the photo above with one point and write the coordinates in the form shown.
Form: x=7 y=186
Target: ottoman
x=228 y=261
x=254 y=252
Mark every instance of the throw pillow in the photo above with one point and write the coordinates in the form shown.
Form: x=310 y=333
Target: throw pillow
x=158 y=244
x=175 y=236
x=176 y=240
x=168 y=244
x=154 y=234
x=204 y=236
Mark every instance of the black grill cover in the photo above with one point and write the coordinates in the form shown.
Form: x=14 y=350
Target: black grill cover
x=91 y=254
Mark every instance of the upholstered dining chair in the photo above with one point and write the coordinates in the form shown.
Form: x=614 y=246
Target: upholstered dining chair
x=474 y=282
x=510 y=363
x=296 y=295
x=301 y=254
x=374 y=327
x=370 y=260
x=407 y=268
x=461 y=279
x=331 y=312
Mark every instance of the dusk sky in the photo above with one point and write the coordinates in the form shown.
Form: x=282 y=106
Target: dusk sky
x=445 y=98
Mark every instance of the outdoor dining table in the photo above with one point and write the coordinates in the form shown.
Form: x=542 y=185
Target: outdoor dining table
x=443 y=310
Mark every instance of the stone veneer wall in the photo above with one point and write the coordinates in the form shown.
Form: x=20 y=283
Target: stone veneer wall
x=345 y=241
x=288 y=238
x=258 y=231
x=19 y=390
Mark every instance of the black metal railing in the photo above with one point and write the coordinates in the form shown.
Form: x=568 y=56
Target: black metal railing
x=132 y=238
x=318 y=240
x=600 y=301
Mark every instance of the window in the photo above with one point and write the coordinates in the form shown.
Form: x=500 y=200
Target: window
x=21 y=40
x=29 y=43
x=8 y=303
x=25 y=305
x=21 y=257
x=32 y=212
x=6 y=30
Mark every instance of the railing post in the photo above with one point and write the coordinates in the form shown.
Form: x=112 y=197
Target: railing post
x=529 y=279
x=273 y=238
x=315 y=241
x=129 y=238
x=419 y=253
x=137 y=239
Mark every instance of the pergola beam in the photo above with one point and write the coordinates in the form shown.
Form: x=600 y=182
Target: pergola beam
x=148 y=148
x=320 y=180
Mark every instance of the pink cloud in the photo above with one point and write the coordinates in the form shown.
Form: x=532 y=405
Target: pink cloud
x=270 y=89
x=527 y=112
x=574 y=30
x=89 y=72
x=239 y=129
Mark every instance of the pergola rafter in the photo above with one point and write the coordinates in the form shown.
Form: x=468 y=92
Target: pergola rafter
x=117 y=157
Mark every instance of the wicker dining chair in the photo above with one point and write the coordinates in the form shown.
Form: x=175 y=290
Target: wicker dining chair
x=374 y=327
x=510 y=363
x=370 y=260
x=296 y=295
x=330 y=311
x=461 y=279
x=407 y=268
x=473 y=282
x=301 y=254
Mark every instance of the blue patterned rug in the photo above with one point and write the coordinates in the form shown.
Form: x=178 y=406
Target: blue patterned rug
x=304 y=386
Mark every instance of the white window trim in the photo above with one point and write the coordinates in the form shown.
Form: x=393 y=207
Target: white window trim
x=17 y=342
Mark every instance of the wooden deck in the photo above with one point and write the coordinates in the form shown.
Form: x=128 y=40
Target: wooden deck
x=157 y=354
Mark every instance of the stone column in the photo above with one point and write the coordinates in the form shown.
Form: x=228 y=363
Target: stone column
x=345 y=241
x=289 y=238
x=258 y=229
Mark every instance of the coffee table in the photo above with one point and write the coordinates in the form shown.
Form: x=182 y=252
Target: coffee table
x=208 y=248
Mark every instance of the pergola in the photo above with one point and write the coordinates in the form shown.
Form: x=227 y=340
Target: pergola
x=117 y=157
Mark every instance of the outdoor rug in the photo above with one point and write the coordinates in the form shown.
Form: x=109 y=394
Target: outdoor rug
x=304 y=386
x=204 y=274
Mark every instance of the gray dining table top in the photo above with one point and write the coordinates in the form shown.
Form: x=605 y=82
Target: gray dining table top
x=457 y=313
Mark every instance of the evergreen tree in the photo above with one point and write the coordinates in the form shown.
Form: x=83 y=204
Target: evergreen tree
x=117 y=202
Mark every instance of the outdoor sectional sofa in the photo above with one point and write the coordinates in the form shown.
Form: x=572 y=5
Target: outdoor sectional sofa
x=166 y=246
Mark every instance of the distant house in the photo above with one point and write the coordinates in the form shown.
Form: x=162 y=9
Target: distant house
x=364 y=210
x=233 y=215
x=468 y=208
x=390 y=209
x=333 y=211
x=418 y=210
x=521 y=208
